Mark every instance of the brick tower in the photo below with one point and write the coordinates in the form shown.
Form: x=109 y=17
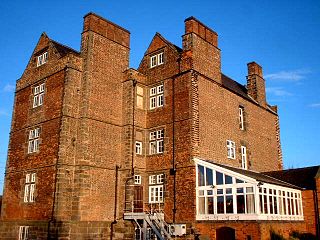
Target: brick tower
x=66 y=137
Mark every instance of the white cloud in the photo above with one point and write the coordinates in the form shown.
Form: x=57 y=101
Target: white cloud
x=8 y=88
x=315 y=105
x=292 y=76
x=278 y=91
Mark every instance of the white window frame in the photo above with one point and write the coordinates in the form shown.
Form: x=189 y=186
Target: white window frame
x=156 y=139
x=160 y=178
x=241 y=118
x=139 y=148
x=156 y=194
x=38 y=95
x=42 y=59
x=231 y=149
x=23 y=232
x=29 y=188
x=244 y=159
x=156 y=60
x=156 y=96
x=252 y=210
x=34 y=140
x=137 y=179
x=152 y=179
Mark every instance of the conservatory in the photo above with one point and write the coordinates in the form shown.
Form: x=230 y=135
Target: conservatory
x=229 y=193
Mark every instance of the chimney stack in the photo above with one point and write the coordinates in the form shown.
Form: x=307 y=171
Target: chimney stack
x=256 y=84
x=201 y=52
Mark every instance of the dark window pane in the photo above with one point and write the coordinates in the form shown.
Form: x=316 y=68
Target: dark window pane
x=265 y=204
x=239 y=181
x=220 y=204
x=209 y=179
x=275 y=205
x=228 y=190
x=270 y=205
x=229 y=204
x=228 y=179
x=209 y=192
x=261 y=204
x=201 y=175
x=240 y=204
x=210 y=205
x=219 y=178
x=239 y=190
x=219 y=191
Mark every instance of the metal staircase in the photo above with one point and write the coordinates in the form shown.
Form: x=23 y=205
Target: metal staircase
x=150 y=221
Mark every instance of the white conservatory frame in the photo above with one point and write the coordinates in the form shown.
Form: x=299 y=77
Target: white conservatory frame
x=278 y=202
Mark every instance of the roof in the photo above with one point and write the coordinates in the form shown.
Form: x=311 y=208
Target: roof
x=260 y=177
x=63 y=49
x=178 y=49
x=234 y=86
x=302 y=177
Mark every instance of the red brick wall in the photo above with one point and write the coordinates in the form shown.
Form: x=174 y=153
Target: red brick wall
x=256 y=229
x=219 y=122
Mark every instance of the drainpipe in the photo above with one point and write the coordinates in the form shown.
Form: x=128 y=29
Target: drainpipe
x=115 y=202
x=134 y=84
x=173 y=170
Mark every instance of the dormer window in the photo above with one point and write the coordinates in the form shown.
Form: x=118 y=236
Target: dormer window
x=42 y=59
x=156 y=60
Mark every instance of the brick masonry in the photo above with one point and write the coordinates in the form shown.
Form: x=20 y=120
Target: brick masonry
x=91 y=119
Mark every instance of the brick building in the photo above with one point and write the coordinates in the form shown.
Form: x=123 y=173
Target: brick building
x=174 y=148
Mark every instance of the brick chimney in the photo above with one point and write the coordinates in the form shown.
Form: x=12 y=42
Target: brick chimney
x=106 y=28
x=256 y=83
x=201 y=52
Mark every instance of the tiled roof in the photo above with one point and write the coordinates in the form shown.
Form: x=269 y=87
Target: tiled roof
x=234 y=86
x=62 y=49
x=178 y=49
x=302 y=177
x=260 y=177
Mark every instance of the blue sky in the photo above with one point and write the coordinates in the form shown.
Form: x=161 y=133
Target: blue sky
x=282 y=36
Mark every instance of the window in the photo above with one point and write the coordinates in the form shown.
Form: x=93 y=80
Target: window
x=160 y=178
x=33 y=143
x=29 y=187
x=38 y=94
x=231 y=149
x=156 y=194
x=23 y=232
x=138 y=148
x=153 y=179
x=42 y=59
x=156 y=188
x=244 y=157
x=156 y=96
x=226 y=195
x=156 y=60
x=156 y=142
x=241 y=118
x=137 y=179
